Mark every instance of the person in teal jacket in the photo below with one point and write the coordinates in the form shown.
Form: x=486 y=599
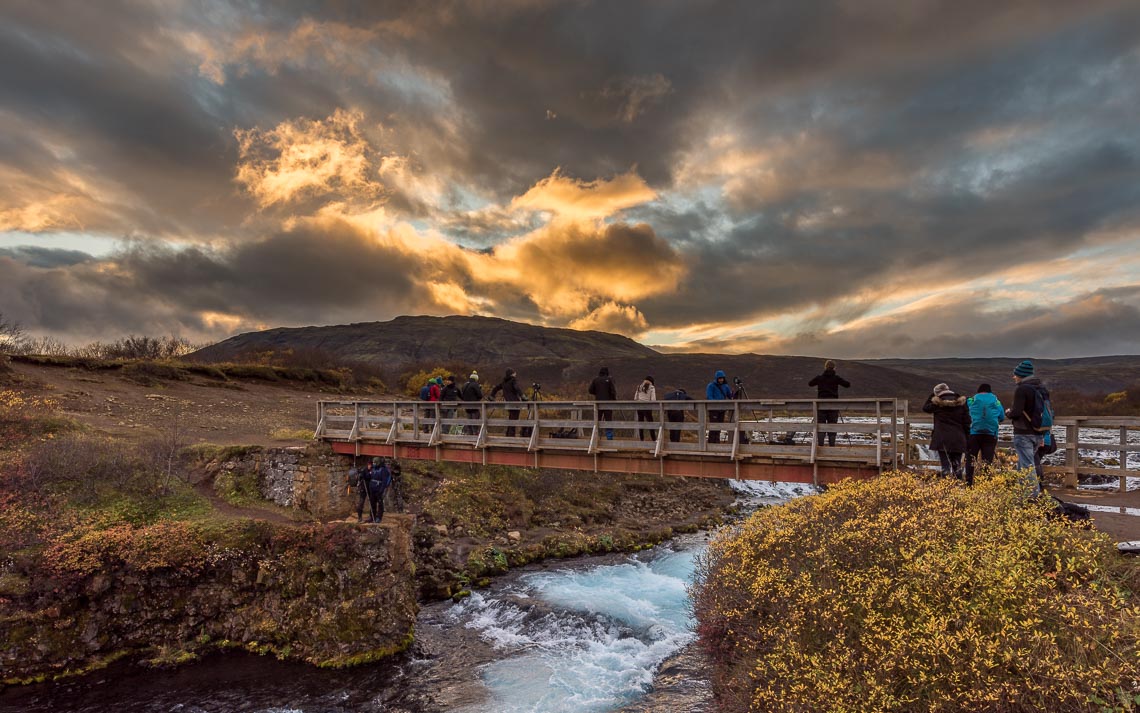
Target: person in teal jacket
x=986 y=412
x=717 y=390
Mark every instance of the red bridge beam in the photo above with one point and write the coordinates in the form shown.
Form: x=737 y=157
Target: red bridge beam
x=619 y=463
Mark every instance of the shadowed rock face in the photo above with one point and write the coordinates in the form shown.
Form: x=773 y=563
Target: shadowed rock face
x=330 y=595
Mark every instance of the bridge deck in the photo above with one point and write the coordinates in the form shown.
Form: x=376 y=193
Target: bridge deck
x=757 y=440
x=764 y=439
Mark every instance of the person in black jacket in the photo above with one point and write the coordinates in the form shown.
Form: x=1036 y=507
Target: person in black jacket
x=511 y=392
x=602 y=388
x=951 y=428
x=827 y=387
x=1026 y=439
x=676 y=415
x=472 y=391
x=449 y=395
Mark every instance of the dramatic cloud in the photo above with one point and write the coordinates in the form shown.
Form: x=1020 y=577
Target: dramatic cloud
x=817 y=177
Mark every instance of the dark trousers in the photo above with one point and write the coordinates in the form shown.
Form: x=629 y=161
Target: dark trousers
x=646 y=416
x=675 y=417
x=513 y=415
x=361 y=497
x=607 y=415
x=716 y=417
x=828 y=417
x=471 y=429
x=979 y=444
x=376 y=504
x=951 y=463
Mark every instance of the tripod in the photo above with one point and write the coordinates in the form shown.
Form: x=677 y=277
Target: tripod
x=741 y=394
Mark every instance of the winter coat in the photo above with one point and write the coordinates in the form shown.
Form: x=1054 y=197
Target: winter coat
x=986 y=412
x=379 y=481
x=1024 y=399
x=645 y=393
x=433 y=392
x=828 y=384
x=449 y=392
x=716 y=391
x=471 y=391
x=602 y=389
x=951 y=422
x=510 y=389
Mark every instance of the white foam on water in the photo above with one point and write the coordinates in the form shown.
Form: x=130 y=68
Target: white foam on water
x=594 y=638
x=769 y=490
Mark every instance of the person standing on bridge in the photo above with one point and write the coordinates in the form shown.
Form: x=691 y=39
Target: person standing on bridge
x=472 y=391
x=986 y=413
x=1027 y=400
x=717 y=390
x=511 y=392
x=676 y=415
x=951 y=428
x=827 y=387
x=449 y=394
x=602 y=388
x=646 y=391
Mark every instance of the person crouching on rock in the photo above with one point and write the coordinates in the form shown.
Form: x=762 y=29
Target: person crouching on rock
x=951 y=428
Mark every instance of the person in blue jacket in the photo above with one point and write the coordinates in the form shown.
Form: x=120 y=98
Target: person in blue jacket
x=717 y=390
x=986 y=413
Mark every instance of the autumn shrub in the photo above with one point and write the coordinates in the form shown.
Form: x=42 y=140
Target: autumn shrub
x=414 y=381
x=25 y=419
x=901 y=594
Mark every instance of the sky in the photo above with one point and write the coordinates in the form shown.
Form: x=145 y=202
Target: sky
x=843 y=178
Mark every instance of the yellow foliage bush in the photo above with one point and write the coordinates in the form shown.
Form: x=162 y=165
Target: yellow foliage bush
x=901 y=594
x=413 y=383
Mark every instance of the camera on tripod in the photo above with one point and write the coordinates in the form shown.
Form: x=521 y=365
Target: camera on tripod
x=737 y=381
x=536 y=386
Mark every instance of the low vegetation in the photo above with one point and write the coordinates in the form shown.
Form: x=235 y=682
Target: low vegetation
x=906 y=594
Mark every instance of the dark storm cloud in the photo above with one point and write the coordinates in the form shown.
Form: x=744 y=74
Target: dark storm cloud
x=804 y=152
x=34 y=256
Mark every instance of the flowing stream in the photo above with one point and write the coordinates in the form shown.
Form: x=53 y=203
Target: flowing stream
x=585 y=635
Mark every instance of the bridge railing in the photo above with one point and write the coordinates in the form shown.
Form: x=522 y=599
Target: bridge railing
x=782 y=429
x=1086 y=446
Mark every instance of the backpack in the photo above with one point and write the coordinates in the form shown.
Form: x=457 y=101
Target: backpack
x=1041 y=417
x=353 y=477
x=425 y=392
x=1048 y=444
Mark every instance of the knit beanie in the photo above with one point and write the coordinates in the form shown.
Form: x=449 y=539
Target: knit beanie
x=474 y=376
x=941 y=389
x=985 y=389
x=1023 y=369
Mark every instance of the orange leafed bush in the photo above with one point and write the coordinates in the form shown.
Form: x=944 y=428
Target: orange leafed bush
x=903 y=594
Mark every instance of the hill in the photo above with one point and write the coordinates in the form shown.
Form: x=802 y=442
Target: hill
x=565 y=360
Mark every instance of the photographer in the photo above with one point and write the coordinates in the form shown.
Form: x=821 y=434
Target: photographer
x=602 y=388
x=511 y=392
x=827 y=387
x=717 y=390
x=646 y=391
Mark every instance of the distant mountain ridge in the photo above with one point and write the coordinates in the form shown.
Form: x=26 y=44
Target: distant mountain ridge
x=565 y=360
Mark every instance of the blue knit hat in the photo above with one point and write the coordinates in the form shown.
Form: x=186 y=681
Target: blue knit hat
x=1023 y=369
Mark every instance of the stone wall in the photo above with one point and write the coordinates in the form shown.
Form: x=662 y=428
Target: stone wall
x=310 y=478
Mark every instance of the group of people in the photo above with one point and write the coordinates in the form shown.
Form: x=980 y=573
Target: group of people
x=372 y=482
x=966 y=429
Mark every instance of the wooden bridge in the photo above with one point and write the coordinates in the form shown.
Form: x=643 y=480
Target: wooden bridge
x=763 y=439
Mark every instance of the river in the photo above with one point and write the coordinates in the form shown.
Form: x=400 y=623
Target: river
x=585 y=635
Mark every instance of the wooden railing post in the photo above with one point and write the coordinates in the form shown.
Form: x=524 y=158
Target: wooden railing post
x=1123 y=459
x=1072 y=454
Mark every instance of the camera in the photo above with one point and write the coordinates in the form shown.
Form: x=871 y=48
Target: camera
x=536 y=386
x=738 y=381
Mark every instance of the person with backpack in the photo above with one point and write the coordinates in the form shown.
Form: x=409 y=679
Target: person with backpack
x=511 y=392
x=827 y=387
x=472 y=391
x=358 y=480
x=397 y=478
x=676 y=415
x=986 y=413
x=717 y=390
x=645 y=391
x=602 y=388
x=379 y=480
x=951 y=426
x=1032 y=416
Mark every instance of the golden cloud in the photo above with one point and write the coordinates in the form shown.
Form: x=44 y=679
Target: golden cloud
x=307 y=158
x=566 y=197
